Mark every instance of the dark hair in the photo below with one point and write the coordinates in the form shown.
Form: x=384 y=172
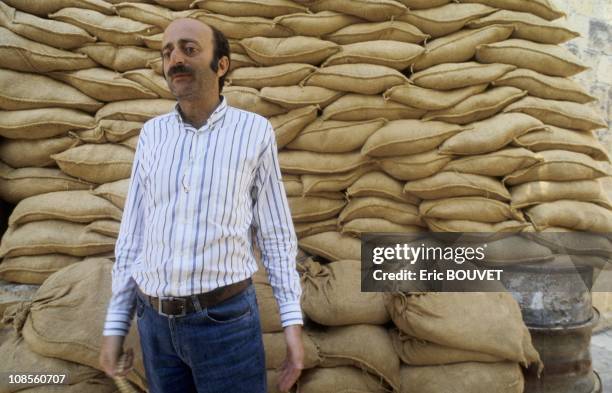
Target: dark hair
x=221 y=49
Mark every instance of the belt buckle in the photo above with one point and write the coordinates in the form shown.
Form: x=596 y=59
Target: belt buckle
x=171 y=298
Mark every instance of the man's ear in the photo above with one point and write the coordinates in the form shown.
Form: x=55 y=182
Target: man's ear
x=224 y=64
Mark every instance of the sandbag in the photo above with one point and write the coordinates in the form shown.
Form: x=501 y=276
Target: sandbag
x=249 y=99
x=575 y=215
x=42 y=123
x=53 y=236
x=548 y=59
x=279 y=75
x=237 y=61
x=118 y=57
x=460 y=46
x=379 y=184
x=469 y=208
x=449 y=76
x=429 y=99
x=118 y=130
x=479 y=139
x=446 y=19
x=312 y=228
x=331 y=245
x=39 y=151
x=559 y=113
x=544 y=86
x=96 y=163
x=500 y=163
x=372 y=10
x=332 y=136
x=332 y=295
x=22 y=183
x=79 y=206
x=514 y=250
x=509 y=226
x=334 y=182
x=275 y=348
x=239 y=27
x=406 y=137
x=115 y=192
x=135 y=110
x=109 y=228
x=394 y=54
x=288 y=125
x=557 y=138
x=268 y=9
x=416 y=166
x=374 y=207
x=304 y=162
x=356 y=78
x=272 y=51
x=357 y=107
x=478 y=107
x=449 y=184
x=47 y=7
x=359 y=226
x=339 y=379
x=541 y=8
x=145 y=13
x=316 y=24
x=34 y=269
x=307 y=208
x=423 y=4
x=294 y=97
x=536 y=192
x=392 y=30
x=269 y=316
x=177 y=5
x=150 y=80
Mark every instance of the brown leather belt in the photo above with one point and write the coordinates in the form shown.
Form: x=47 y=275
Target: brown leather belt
x=178 y=306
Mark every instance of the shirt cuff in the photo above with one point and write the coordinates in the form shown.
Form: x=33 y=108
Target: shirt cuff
x=291 y=313
x=116 y=324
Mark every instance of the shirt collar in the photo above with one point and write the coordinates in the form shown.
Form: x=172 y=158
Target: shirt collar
x=217 y=114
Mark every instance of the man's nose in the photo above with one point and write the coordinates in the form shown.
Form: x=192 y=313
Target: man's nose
x=176 y=57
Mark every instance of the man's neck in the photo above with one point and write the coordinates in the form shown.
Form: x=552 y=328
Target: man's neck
x=197 y=112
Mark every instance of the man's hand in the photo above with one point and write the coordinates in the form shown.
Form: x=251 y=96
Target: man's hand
x=291 y=368
x=111 y=351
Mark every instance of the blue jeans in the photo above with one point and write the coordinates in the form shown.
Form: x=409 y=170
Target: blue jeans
x=215 y=350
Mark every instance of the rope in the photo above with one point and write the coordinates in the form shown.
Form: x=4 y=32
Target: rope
x=122 y=383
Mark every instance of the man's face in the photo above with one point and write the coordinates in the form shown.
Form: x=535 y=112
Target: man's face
x=187 y=51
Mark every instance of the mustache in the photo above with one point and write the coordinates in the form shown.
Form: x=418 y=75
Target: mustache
x=180 y=69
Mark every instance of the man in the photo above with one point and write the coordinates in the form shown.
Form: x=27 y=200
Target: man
x=203 y=176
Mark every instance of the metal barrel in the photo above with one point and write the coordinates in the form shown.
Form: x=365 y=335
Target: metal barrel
x=555 y=300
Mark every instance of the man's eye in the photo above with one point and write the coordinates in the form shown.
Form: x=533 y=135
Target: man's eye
x=189 y=50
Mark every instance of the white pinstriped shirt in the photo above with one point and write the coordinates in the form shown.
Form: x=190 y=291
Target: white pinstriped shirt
x=194 y=195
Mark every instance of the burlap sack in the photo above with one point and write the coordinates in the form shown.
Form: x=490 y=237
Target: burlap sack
x=359 y=226
x=113 y=29
x=74 y=206
x=105 y=227
x=100 y=384
x=150 y=80
x=25 y=182
x=135 y=110
x=238 y=61
x=419 y=97
x=294 y=97
x=536 y=192
x=115 y=192
x=417 y=352
x=447 y=19
x=392 y=30
x=145 y=13
x=374 y=207
x=479 y=139
x=316 y=24
x=118 y=130
x=65 y=318
x=304 y=162
x=279 y=75
x=313 y=184
x=331 y=245
x=367 y=347
x=96 y=163
x=53 y=236
x=393 y=54
x=528 y=27
x=357 y=107
x=460 y=46
x=293 y=185
x=120 y=58
x=450 y=76
x=42 y=123
x=332 y=136
x=510 y=226
x=269 y=9
x=356 y=78
x=500 y=163
x=406 y=137
x=339 y=379
x=557 y=138
x=269 y=316
x=272 y=51
x=541 y=8
x=372 y=10
x=423 y=4
x=379 y=184
x=275 y=347
x=249 y=99
x=48 y=7
x=130 y=143
x=544 y=86
x=478 y=107
x=469 y=208
x=20 y=54
x=548 y=59
x=449 y=184
x=459 y=320
x=560 y=165
x=306 y=209
x=39 y=151
x=416 y=166
x=513 y=250
x=50 y=32
x=586 y=245
x=287 y=126
x=178 y=5
x=473 y=377
x=575 y=215
x=559 y=113
x=153 y=41
x=94 y=135
x=332 y=295
x=239 y=27
x=312 y=228
x=34 y=269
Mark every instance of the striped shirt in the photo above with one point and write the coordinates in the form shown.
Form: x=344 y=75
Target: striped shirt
x=194 y=196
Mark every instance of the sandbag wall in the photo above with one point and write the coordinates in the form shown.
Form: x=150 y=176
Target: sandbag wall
x=391 y=116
